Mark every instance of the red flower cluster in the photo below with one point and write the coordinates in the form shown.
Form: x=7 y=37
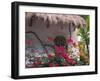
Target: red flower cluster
x=36 y=63
x=51 y=64
x=60 y=51
x=57 y=65
x=74 y=44
x=69 y=40
x=50 y=39
x=50 y=56
x=28 y=42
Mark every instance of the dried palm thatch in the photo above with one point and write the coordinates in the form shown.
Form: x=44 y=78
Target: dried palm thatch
x=62 y=19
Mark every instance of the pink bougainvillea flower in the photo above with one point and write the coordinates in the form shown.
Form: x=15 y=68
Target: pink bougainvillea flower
x=74 y=44
x=37 y=63
x=59 y=50
x=49 y=56
x=28 y=42
x=57 y=65
x=46 y=51
x=67 y=59
x=73 y=62
x=69 y=40
x=51 y=64
x=65 y=56
x=50 y=39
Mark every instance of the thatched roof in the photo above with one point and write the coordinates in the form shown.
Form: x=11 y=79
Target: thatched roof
x=63 y=19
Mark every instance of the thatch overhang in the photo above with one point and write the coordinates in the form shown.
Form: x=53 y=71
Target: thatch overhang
x=62 y=19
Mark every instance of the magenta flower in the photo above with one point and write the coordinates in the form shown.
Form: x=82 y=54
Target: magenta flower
x=51 y=64
x=69 y=40
x=49 y=56
x=74 y=44
x=60 y=51
x=50 y=39
x=29 y=42
x=57 y=65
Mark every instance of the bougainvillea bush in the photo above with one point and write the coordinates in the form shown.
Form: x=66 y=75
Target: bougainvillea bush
x=64 y=52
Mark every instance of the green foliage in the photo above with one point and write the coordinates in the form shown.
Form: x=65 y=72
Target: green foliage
x=60 y=41
x=84 y=31
x=87 y=19
x=45 y=60
x=84 y=34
